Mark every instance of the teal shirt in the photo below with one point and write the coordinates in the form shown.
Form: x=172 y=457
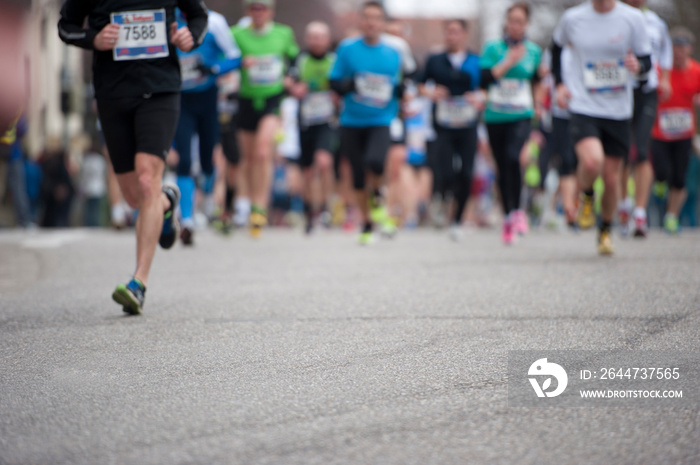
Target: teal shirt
x=523 y=71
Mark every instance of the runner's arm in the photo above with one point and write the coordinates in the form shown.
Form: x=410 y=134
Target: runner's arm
x=556 y=62
x=341 y=77
x=197 y=19
x=227 y=44
x=70 y=26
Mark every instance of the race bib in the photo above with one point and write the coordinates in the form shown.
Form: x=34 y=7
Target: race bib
x=675 y=122
x=375 y=90
x=266 y=70
x=189 y=70
x=605 y=76
x=455 y=112
x=142 y=35
x=511 y=95
x=317 y=108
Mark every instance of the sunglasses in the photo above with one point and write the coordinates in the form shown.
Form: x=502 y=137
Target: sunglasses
x=257 y=7
x=681 y=42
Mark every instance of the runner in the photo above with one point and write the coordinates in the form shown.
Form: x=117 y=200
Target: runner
x=395 y=36
x=563 y=148
x=367 y=73
x=456 y=76
x=608 y=41
x=228 y=126
x=645 y=103
x=218 y=55
x=137 y=85
x=672 y=142
x=267 y=48
x=510 y=69
x=316 y=114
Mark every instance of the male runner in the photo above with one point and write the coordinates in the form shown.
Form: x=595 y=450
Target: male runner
x=317 y=110
x=609 y=46
x=645 y=103
x=367 y=73
x=137 y=83
x=200 y=68
x=672 y=142
x=267 y=49
x=456 y=74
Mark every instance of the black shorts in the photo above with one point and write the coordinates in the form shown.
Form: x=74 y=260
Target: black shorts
x=249 y=115
x=312 y=139
x=645 y=104
x=563 y=147
x=613 y=134
x=229 y=140
x=134 y=125
x=366 y=149
x=670 y=161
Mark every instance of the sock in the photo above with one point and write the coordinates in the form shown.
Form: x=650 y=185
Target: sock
x=137 y=283
x=640 y=213
x=308 y=210
x=230 y=195
x=589 y=193
x=367 y=227
x=207 y=182
x=605 y=226
x=187 y=191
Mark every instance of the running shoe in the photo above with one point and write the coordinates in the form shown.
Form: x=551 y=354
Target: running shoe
x=224 y=224
x=520 y=224
x=586 y=216
x=388 y=227
x=623 y=217
x=456 y=233
x=171 y=226
x=130 y=296
x=187 y=236
x=640 y=224
x=671 y=225
x=366 y=238
x=508 y=235
x=257 y=221
x=605 y=245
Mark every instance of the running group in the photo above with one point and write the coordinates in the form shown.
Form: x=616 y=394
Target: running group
x=615 y=93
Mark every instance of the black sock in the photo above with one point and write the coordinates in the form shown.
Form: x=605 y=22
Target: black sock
x=308 y=210
x=367 y=228
x=605 y=226
x=230 y=195
x=589 y=193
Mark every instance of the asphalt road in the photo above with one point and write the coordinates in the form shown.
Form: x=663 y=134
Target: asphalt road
x=315 y=351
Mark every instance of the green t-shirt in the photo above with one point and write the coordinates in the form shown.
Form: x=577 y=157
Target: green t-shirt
x=272 y=49
x=315 y=71
x=510 y=99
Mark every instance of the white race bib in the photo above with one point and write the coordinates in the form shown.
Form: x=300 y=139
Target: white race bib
x=605 y=76
x=189 y=70
x=266 y=70
x=511 y=95
x=455 y=112
x=374 y=90
x=675 y=122
x=142 y=35
x=317 y=108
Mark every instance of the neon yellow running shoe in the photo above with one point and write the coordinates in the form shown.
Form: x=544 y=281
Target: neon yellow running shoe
x=257 y=221
x=366 y=238
x=605 y=245
x=586 y=216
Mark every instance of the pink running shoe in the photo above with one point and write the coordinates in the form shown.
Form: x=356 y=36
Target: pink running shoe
x=508 y=236
x=520 y=224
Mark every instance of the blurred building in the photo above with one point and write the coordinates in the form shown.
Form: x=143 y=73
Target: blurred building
x=56 y=104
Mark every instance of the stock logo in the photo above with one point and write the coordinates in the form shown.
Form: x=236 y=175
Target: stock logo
x=542 y=368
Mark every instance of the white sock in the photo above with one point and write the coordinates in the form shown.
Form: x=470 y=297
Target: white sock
x=625 y=204
x=640 y=213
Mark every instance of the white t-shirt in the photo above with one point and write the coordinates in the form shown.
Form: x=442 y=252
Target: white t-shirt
x=408 y=63
x=661 y=49
x=600 y=84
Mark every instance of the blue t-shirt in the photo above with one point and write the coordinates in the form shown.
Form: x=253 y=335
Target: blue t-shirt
x=376 y=70
x=218 y=53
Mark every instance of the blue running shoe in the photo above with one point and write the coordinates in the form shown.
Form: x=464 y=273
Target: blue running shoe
x=130 y=296
x=171 y=226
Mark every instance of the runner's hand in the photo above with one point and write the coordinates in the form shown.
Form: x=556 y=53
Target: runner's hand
x=477 y=99
x=299 y=90
x=248 y=62
x=440 y=93
x=563 y=96
x=632 y=63
x=181 y=38
x=515 y=54
x=665 y=89
x=107 y=38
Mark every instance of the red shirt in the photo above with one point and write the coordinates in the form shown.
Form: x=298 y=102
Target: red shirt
x=675 y=118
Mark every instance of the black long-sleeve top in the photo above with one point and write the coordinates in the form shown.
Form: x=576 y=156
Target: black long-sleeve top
x=131 y=78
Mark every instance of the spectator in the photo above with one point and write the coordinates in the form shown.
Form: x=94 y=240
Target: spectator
x=93 y=186
x=57 y=188
x=10 y=146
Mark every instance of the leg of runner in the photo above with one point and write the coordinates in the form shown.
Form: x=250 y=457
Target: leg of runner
x=323 y=163
x=186 y=128
x=466 y=149
x=118 y=207
x=443 y=176
x=261 y=171
x=246 y=141
x=209 y=135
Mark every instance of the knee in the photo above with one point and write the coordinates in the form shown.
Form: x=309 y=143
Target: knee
x=324 y=162
x=591 y=163
x=148 y=185
x=131 y=197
